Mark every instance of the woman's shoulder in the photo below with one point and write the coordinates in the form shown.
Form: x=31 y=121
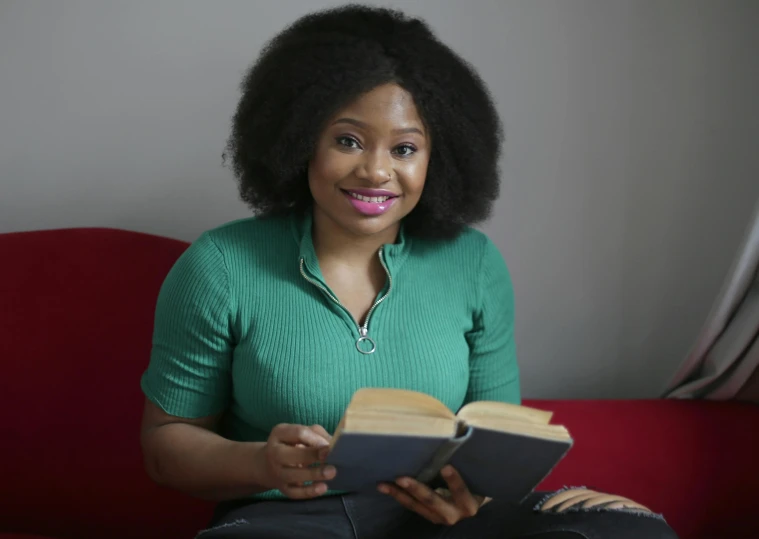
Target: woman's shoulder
x=470 y=253
x=249 y=234
x=470 y=244
x=242 y=241
x=268 y=229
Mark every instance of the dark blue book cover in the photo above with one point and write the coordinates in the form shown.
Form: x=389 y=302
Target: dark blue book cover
x=364 y=460
x=497 y=464
x=506 y=466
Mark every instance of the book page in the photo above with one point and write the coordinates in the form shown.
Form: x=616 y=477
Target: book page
x=398 y=402
x=365 y=422
x=485 y=409
x=524 y=428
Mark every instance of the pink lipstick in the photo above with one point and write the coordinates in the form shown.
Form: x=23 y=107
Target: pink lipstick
x=370 y=202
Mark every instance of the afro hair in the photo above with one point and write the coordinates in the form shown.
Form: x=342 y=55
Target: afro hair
x=325 y=60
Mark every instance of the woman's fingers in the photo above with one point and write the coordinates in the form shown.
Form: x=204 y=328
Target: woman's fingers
x=457 y=503
x=298 y=445
x=300 y=434
x=447 y=512
x=294 y=454
x=410 y=502
x=296 y=457
x=298 y=476
x=460 y=495
x=304 y=492
x=321 y=431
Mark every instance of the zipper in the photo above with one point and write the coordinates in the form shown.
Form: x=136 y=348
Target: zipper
x=363 y=330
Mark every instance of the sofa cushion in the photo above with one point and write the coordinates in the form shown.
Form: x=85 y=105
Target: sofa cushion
x=75 y=338
x=75 y=331
x=693 y=461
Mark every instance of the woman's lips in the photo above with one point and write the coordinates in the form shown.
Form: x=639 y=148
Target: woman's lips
x=371 y=202
x=371 y=192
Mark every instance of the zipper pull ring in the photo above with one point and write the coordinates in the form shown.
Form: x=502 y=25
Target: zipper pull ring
x=363 y=331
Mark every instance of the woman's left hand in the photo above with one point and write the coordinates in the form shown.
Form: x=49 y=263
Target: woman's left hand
x=437 y=506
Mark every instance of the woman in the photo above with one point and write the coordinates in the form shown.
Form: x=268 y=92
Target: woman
x=366 y=147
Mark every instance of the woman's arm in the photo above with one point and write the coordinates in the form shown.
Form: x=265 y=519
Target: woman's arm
x=188 y=387
x=187 y=383
x=189 y=456
x=493 y=368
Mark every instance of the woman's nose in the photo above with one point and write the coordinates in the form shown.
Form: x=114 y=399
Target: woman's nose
x=376 y=169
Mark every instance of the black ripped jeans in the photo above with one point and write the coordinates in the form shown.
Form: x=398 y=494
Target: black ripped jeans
x=370 y=516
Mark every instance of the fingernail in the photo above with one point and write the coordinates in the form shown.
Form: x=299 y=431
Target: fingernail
x=403 y=482
x=329 y=472
x=383 y=489
x=321 y=488
x=447 y=472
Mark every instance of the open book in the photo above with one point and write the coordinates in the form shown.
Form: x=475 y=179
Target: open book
x=501 y=450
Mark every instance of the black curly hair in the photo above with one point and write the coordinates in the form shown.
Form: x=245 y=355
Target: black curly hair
x=325 y=60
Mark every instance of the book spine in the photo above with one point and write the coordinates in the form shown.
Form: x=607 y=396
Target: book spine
x=442 y=456
x=550 y=470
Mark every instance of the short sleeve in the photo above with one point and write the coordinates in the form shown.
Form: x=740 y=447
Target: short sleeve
x=493 y=368
x=189 y=372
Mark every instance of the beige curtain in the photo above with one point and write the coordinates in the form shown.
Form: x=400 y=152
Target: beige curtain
x=724 y=363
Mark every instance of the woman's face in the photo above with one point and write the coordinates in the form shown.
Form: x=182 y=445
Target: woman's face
x=370 y=163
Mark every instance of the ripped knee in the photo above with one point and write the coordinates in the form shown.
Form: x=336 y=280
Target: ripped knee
x=579 y=507
x=233 y=524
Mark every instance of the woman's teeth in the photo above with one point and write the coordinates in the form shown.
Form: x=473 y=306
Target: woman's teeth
x=368 y=199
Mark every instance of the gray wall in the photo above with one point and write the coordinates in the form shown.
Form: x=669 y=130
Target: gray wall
x=629 y=173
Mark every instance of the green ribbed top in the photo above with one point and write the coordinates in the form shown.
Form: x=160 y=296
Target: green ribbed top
x=242 y=325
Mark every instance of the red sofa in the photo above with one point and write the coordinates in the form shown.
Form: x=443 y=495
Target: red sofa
x=76 y=310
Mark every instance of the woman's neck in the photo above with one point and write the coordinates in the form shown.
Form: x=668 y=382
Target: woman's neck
x=335 y=244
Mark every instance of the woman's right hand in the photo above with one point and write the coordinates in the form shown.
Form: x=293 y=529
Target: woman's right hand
x=294 y=455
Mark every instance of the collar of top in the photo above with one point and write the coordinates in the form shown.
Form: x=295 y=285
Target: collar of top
x=394 y=254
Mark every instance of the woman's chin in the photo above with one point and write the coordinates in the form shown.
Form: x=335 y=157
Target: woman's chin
x=358 y=224
x=365 y=225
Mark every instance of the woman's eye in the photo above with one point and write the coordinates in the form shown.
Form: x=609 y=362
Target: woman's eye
x=348 y=142
x=405 y=150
